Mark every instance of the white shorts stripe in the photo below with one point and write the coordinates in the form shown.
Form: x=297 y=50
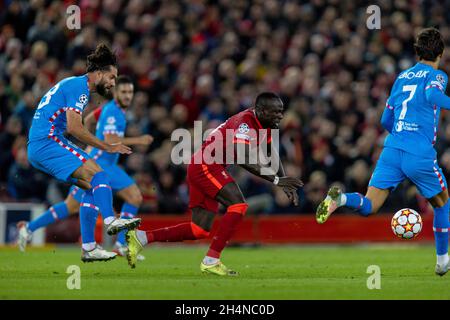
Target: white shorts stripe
x=441 y=181
x=74 y=152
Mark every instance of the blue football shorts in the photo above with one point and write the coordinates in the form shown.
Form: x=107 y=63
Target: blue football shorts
x=396 y=165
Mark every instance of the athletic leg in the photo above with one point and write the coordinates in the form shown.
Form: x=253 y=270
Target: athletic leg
x=132 y=198
x=231 y=197
x=91 y=173
x=441 y=225
x=88 y=217
x=386 y=176
x=55 y=213
x=431 y=183
x=203 y=188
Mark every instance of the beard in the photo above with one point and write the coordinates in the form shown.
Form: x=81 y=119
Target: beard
x=101 y=90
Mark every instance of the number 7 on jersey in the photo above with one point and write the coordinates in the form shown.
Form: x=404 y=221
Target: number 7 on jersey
x=412 y=90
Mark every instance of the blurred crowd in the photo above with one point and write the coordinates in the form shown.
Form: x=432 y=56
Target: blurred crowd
x=207 y=60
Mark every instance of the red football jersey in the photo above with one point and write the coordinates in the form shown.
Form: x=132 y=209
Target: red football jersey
x=242 y=128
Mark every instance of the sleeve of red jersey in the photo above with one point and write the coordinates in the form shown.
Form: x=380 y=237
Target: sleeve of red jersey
x=246 y=131
x=97 y=113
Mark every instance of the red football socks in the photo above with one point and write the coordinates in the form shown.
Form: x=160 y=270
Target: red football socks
x=228 y=226
x=180 y=232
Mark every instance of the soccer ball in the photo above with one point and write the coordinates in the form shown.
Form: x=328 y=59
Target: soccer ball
x=406 y=223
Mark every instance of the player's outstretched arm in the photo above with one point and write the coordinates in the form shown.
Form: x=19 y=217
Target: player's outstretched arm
x=75 y=127
x=387 y=119
x=143 y=140
x=289 y=184
x=290 y=193
x=436 y=97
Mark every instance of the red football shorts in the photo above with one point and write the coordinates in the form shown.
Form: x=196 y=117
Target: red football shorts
x=205 y=181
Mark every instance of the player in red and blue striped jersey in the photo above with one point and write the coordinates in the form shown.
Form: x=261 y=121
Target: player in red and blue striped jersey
x=60 y=110
x=110 y=128
x=411 y=117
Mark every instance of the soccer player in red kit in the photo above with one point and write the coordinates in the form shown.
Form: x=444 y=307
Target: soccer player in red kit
x=210 y=183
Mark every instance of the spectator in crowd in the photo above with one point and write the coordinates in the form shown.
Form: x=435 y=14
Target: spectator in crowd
x=8 y=138
x=25 y=182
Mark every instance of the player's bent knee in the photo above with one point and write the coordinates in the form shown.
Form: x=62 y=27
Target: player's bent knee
x=88 y=170
x=92 y=167
x=240 y=208
x=136 y=198
x=72 y=206
x=199 y=232
x=437 y=202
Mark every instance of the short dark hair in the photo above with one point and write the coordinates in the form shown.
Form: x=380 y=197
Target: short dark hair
x=264 y=98
x=429 y=44
x=123 y=79
x=102 y=59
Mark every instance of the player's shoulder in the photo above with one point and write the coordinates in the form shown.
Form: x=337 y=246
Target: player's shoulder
x=112 y=110
x=247 y=115
x=107 y=110
x=76 y=88
x=108 y=106
x=439 y=75
x=437 y=79
x=74 y=81
x=417 y=72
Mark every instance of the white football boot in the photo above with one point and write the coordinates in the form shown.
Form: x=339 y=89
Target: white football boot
x=118 y=225
x=97 y=254
x=441 y=270
x=24 y=235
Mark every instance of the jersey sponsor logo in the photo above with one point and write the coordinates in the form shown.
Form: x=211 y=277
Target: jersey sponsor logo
x=110 y=127
x=411 y=75
x=406 y=126
x=244 y=128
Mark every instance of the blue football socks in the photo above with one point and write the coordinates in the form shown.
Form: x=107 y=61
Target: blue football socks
x=56 y=212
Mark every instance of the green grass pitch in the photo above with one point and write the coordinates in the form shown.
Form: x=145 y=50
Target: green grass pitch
x=272 y=272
